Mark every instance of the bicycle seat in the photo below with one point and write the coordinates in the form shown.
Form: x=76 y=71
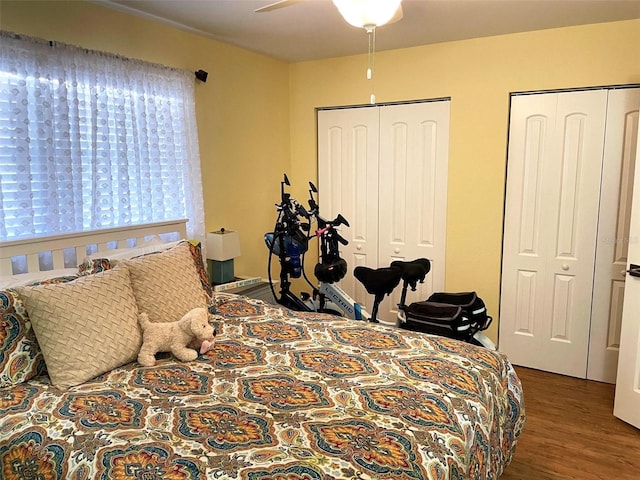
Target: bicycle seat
x=413 y=271
x=378 y=281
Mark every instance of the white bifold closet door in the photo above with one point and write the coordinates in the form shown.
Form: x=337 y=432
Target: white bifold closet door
x=566 y=214
x=628 y=380
x=384 y=168
x=613 y=244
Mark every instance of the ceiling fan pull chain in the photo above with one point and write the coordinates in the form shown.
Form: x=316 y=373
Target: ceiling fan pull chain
x=371 y=31
x=369 y=72
x=373 y=50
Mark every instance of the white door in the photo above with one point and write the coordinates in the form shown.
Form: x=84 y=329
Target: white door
x=613 y=233
x=627 y=401
x=551 y=215
x=414 y=152
x=348 y=184
x=384 y=168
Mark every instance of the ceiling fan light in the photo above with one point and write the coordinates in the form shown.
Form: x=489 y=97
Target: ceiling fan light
x=367 y=13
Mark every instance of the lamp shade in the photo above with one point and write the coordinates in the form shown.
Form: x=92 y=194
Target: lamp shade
x=223 y=245
x=367 y=13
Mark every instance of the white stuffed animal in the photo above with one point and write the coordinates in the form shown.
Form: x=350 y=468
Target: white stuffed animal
x=175 y=337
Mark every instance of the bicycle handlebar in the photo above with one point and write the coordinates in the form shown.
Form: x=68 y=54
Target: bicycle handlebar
x=292 y=231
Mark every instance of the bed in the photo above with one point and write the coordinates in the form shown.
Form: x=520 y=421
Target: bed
x=282 y=394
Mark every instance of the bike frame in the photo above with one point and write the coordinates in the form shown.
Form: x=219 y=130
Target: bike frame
x=339 y=297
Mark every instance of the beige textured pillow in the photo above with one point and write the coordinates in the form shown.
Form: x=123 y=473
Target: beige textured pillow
x=166 y=284
x=85 y=327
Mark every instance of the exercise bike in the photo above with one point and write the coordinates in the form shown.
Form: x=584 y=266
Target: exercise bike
x=289 y=241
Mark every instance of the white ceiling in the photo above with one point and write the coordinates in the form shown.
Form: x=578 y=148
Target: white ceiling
x=313 y=29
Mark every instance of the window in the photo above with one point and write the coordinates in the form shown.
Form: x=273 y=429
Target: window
x=90 y=140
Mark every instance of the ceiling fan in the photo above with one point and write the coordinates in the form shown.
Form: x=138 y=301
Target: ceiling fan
x=367 y=14
x=288 y=3
x=277 y=5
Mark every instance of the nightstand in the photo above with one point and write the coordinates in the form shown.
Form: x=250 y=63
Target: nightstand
x=252 y=287
x=259 y=291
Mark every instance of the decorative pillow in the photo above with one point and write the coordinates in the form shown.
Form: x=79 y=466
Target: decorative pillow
x=106 y=259
x=20 y=355
x=167 y=284
x=85 y=327
x=93 y=264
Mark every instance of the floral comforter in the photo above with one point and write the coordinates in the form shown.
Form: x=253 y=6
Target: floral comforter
x=283 y=395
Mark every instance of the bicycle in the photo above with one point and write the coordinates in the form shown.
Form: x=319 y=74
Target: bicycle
x=289 y=241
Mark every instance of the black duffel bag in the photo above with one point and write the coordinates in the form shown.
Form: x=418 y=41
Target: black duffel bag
x=437 y=318
x=472 y=306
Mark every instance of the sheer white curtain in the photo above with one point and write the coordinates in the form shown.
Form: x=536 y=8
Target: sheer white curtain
x=90 y=140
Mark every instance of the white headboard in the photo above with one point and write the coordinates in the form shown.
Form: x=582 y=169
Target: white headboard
x=66 y=251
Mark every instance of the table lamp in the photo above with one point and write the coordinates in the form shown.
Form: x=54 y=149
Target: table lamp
x=222 y=247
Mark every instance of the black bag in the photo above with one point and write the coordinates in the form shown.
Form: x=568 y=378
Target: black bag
x=437 y=318
x=472 y=306
x=454 y=315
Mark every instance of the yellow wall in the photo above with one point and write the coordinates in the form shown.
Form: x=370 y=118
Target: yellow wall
x=242 y=110
x=478 y=75
x=256 y=115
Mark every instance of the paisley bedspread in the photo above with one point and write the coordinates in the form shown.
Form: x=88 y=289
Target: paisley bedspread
x=283 y=395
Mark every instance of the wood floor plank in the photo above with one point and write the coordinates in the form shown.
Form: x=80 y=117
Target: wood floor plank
x=571 y=433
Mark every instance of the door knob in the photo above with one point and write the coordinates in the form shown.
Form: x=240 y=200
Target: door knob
x=565 y=267
x=359 y=246
x=396 y=250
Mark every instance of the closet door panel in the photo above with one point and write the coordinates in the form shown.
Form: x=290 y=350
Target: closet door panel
x=620 y=159
x=414 y=142
x=393 y=215
x=627 y=397
x=579 y=142
x=531 y=128
x=348 y=184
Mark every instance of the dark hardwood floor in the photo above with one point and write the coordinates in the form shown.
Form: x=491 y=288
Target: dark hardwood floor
x=571 y=433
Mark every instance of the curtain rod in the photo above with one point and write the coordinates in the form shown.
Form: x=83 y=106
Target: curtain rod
x=199 y=74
